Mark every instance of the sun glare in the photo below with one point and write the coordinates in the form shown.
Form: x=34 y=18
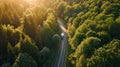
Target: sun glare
x=31 y=1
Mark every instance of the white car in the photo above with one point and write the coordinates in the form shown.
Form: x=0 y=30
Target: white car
x=62 y=35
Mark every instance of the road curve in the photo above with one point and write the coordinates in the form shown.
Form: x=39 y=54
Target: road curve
x=60 y=57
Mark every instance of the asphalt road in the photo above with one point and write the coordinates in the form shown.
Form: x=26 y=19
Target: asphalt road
x=61 y=54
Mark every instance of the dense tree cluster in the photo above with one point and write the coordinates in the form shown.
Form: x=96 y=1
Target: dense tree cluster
x=11 y=12
x=29 y=36
x=93 y=30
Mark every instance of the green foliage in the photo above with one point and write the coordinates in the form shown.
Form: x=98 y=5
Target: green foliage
x=12 y=34
x=83 y=28
x=29 y=27
x=113 y=9
x=27 y=46
x=50 y=28
x=107 y=3
x=3 y=41
x=24 y=60
x=76 y=22
x=8 y=38
x=98 y=21
x=44 y=54
x=85 y=50
x=6 y=65
x=77 y=38
x=91 y=34
x=71 y=29
x=104 y=36
x=118 y=19
x=47 y=34
x=33 y=18
x=29 y=33
x=24 y=30
x=11 y=11
x=87 y=46
x=107 y=55
x=56 y=40
x=52 y=21
x=60 y=8
x=71 y=11
x=81 y=61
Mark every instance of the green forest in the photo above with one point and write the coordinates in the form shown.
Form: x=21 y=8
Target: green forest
x=30 y=35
